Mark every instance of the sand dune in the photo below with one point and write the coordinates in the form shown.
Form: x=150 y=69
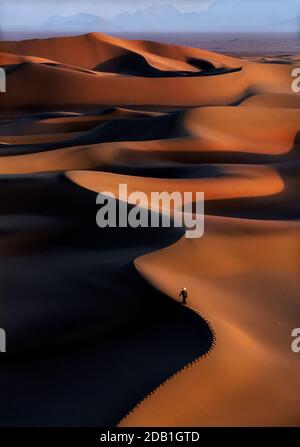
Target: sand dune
x=284 y=101
x=92 y=315
x=227 y=182
x=247 y=286
x=275 y=139
x=90 y=50
x=54 y=85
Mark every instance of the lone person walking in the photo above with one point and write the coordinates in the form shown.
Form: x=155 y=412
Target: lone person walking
x=184 y=295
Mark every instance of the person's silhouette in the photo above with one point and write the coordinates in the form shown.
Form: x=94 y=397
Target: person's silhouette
x=184 y=295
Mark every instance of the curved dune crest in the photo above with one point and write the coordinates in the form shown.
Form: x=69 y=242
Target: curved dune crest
x=245 y=181
x=238 y=284
x=54 y=85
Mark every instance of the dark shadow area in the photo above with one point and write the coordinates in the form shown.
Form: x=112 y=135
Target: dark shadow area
x=133 y=64
x=129 y=64
x=118 y=129
x=201 y=64
x=166 y=171
x=87 y=337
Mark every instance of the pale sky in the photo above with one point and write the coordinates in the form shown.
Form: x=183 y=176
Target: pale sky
x=18 y=12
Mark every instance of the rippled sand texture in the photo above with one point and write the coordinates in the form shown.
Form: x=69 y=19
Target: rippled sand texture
x=92 y=316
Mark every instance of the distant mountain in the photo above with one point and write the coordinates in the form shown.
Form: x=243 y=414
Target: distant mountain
x=247 y=16
x=156 y=17
x=223 y=15
x=78 y=22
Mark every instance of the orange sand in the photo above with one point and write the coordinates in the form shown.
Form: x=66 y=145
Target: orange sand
x=244 y=122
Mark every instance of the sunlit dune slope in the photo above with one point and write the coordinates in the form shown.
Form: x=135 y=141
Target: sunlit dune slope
x=243 y=276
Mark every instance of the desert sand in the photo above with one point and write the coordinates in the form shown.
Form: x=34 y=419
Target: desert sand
x=93 y=315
